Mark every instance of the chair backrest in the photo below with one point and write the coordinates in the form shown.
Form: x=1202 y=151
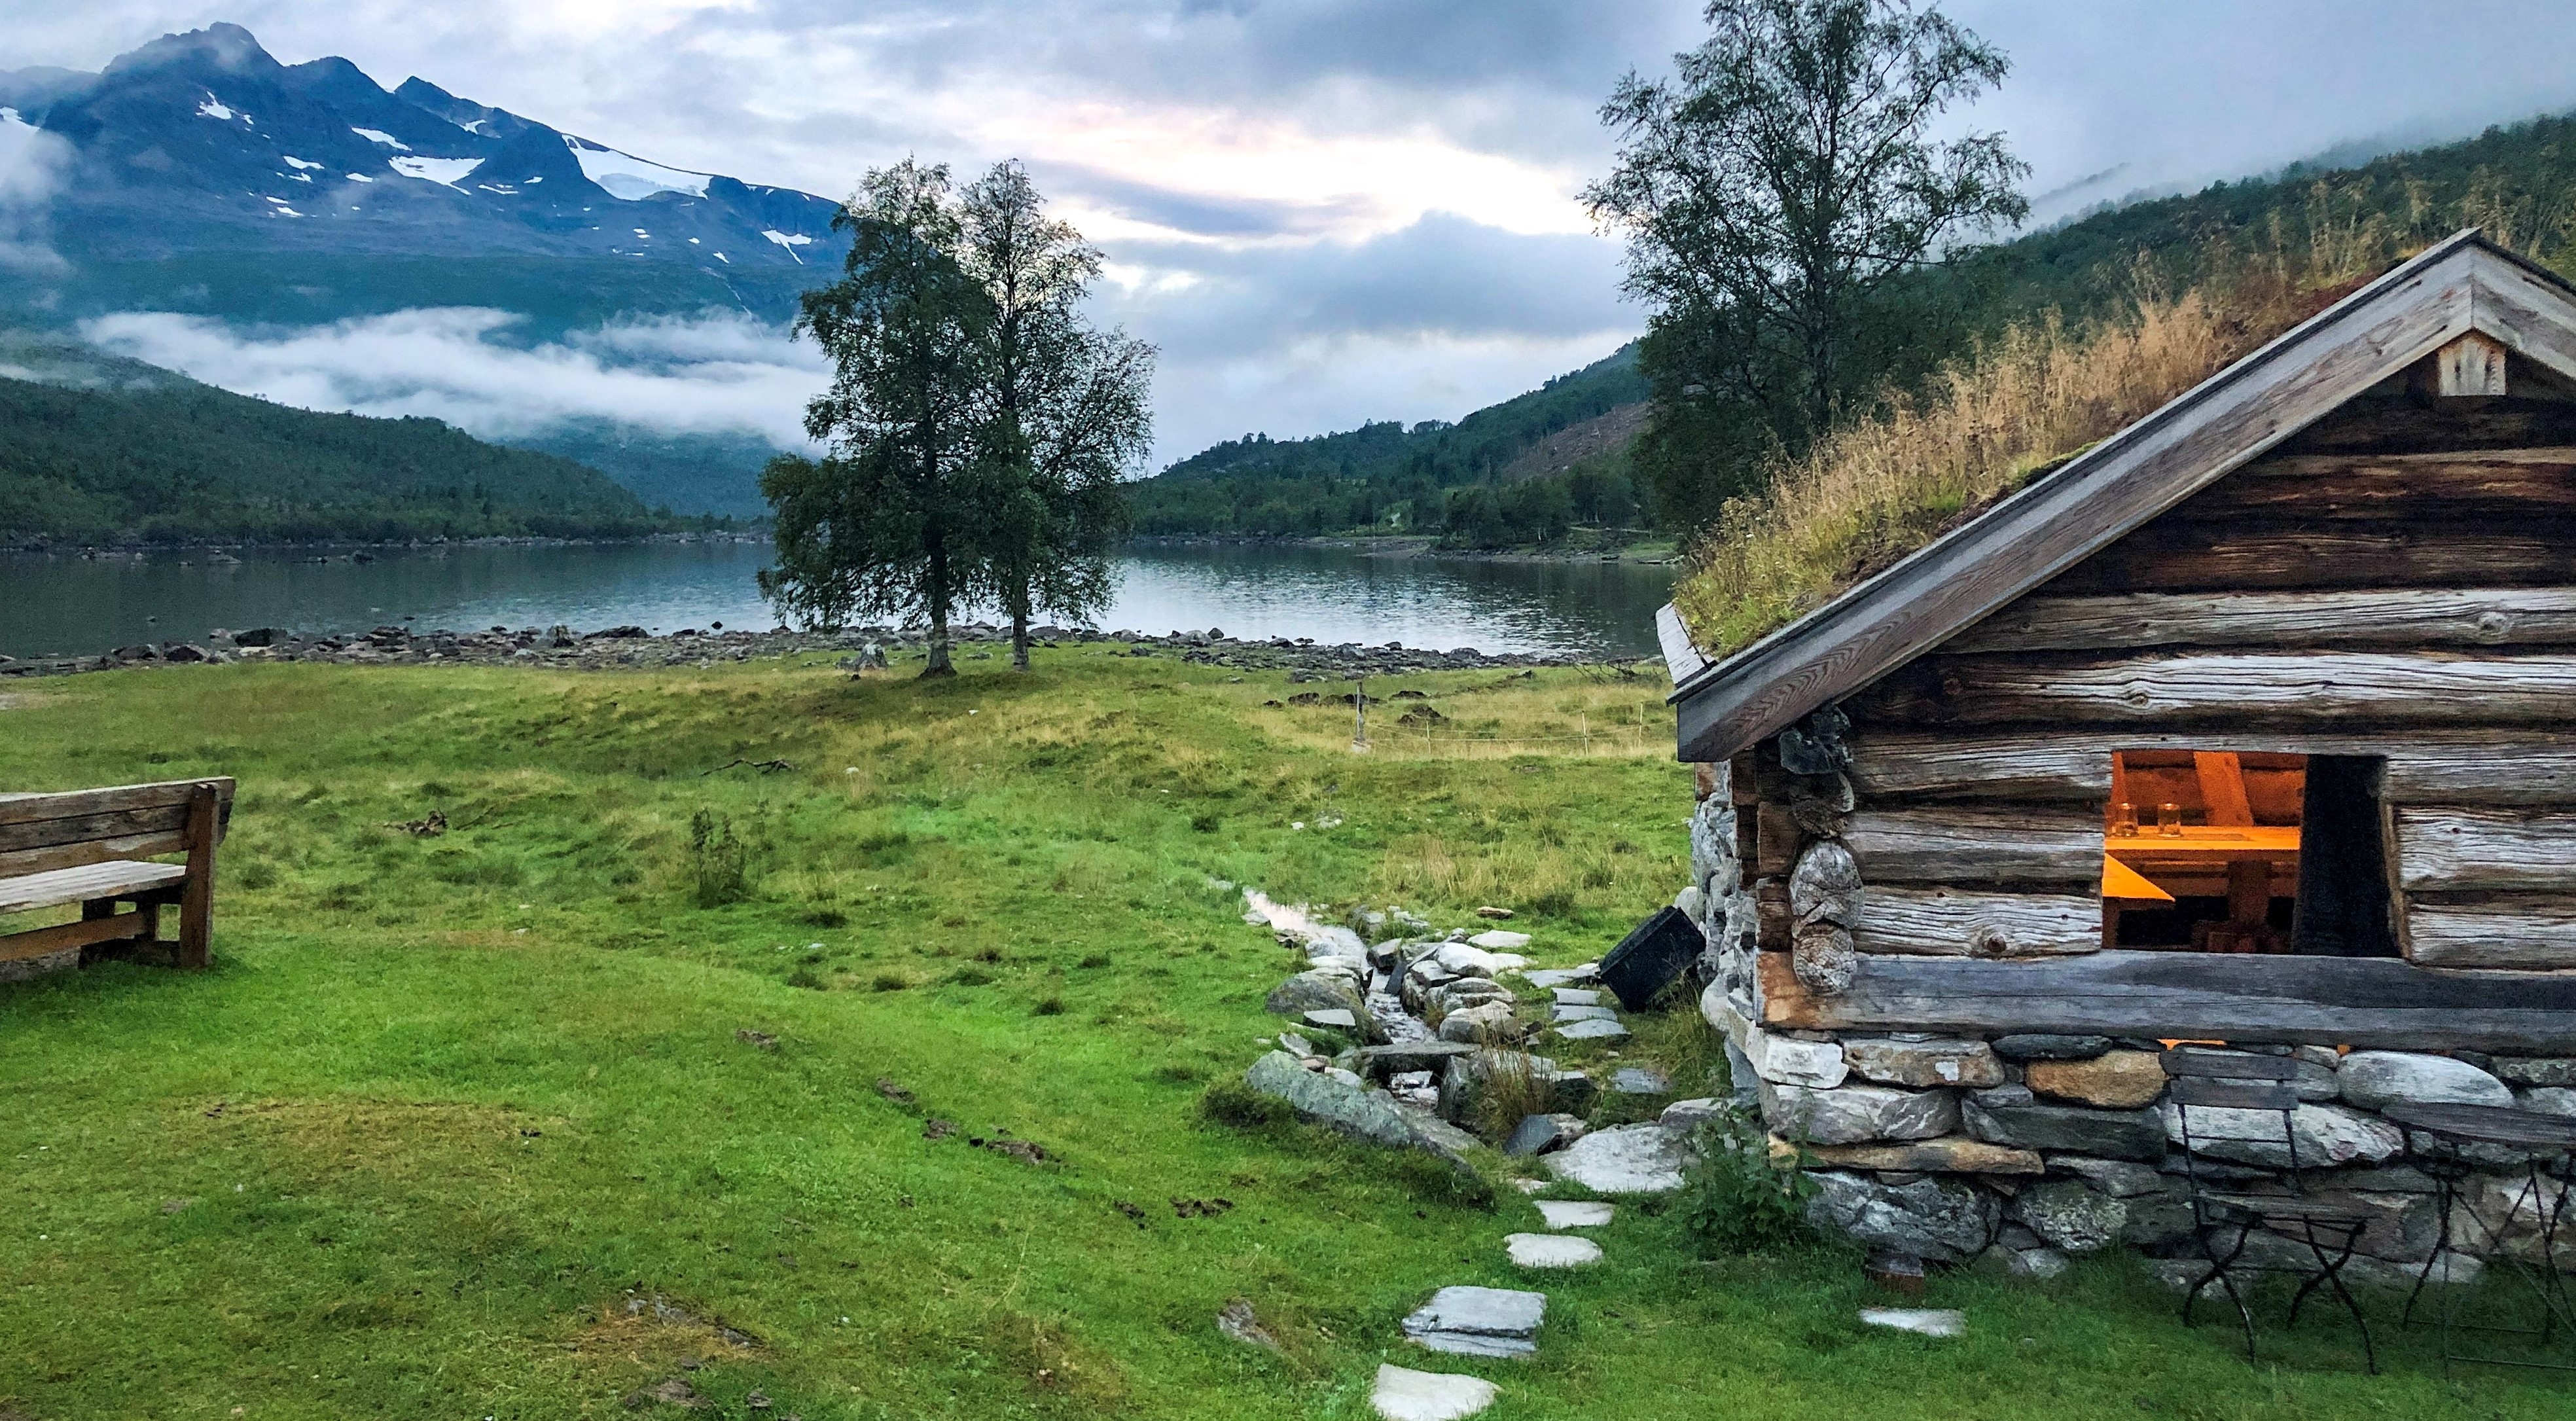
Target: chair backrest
x=43 y=832
x=2232 y=1080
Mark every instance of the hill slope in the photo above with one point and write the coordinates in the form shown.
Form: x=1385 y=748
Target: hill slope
x=117 y=451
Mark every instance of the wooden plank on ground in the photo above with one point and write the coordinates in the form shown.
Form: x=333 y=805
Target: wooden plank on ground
x=2251 y=998
x=2448 y=849
x=2508 y=930
x=2478 y=616
x=1962 y=844
x=1947 y=922
x=2381 y=689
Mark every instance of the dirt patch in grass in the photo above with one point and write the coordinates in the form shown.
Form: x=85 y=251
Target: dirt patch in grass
x=655 y=1331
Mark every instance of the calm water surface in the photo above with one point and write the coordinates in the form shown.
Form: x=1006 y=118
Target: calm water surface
x=66 y=605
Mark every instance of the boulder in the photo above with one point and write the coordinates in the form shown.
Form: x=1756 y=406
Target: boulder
x=1402 y=1394
x=1334 y=1019
x=2119 y=1178
x=1499 y=940
x=2037 y=1264
x=1550 y=1250
x=1403 y=1056
x=2076 y=1129
x=2070 y=1215
x=2326 y=1135
x=1464 y=1077
x=2042 y=1047
x=1466 y=959
x=1784 y=1060
x=1537 y=1134
x=1856 y=1114
x=1479 y=1322
x=1624 y=1159
x=2537 y=1070
x=1315 y=990
x=1950 y=1154
x=1491 y=1022
x=1687 y=1115
x=1923 y=1064
x=2549 y=1100
x=1365 y=1114
x=2114 y=1080
x=2375 y=1080
x=1937 y=1219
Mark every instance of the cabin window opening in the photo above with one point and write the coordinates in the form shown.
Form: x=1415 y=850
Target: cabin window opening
x=2246 y=852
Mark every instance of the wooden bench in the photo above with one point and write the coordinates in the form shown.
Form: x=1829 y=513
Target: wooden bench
x=93 y=847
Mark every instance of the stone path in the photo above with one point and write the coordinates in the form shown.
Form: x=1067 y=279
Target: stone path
x=1406 y=1395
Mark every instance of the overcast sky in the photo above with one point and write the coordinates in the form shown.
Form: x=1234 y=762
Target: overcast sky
x=1339 y=210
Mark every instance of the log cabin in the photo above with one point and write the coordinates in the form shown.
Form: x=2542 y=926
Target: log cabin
x=2248 y=725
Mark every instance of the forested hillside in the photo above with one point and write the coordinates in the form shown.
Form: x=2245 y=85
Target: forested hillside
x=174 y=461
x=2517 y=182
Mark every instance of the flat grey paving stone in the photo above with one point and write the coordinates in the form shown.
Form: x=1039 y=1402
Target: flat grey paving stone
x=1565 y=1014
x=1403 y=1394
x=1931 y=1322
x=1550 y=1250
x=1577 y=997
x=1592 y=1031
x=1635 y=1080
x=1575 y=1213
x=1624 y=1159
x=1561 y=976
x=1341 y=1017
x=1468 y=1321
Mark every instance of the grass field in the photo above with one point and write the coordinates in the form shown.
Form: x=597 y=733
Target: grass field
x=468 y=1126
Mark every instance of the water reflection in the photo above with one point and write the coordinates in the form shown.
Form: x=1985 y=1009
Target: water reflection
x=67 y=605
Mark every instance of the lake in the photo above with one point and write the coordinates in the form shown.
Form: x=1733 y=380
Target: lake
x=64 y=604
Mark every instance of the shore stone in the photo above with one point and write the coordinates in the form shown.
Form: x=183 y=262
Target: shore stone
x=1550 y=1250
x=1537 y=1134
x=1319 y=989
x=2070 y=1215
x=2111 y=1134
x=1930 y=1322
x=1402 y=1394
x=2041 y=1047
x=1952 y=1154
x=2375 y=1080
x=1576 y=1213
x=1592 y=1031
x=2114 y=1080
x=2326 y=1135
x=1938 y=1219
x=1969 y=1064
x=1479 y=1322
x=1624 y=1159
x=1857 y=1114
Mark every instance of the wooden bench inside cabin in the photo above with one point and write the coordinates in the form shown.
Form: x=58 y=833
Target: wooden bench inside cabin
x=95 y=847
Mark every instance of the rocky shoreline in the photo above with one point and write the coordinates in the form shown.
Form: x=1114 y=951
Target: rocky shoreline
x=561 y=648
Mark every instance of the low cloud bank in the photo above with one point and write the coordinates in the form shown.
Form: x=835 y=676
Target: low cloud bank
x=699 y=375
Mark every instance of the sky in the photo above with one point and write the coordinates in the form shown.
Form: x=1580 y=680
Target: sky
x=1321 y=212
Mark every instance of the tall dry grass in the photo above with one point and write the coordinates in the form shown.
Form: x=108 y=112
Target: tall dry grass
x=2041 y=392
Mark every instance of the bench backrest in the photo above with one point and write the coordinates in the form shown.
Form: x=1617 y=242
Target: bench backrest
x=42 y=832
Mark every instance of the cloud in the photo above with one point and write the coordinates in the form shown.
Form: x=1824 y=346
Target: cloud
x=702 y=375
x=31 y=165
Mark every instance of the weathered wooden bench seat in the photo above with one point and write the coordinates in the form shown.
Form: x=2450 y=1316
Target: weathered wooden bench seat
x=93 y=847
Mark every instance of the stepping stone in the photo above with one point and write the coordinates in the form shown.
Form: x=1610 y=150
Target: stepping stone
x=1403 y=1394
x=1564 y=1014
x=1575 y=1213
x=1931 y=1322
x=1625 y=1159
x=1577 y=997
x=1592 y=1031
x=1479 y=1322
x=1339 y=1018
x=1561 y=976
x=1635 y=1080
x=1499 y=940
x=1550 y=1250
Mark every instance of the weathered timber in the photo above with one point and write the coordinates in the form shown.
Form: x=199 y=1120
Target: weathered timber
x=2249 y=998
x=2471 y=365
x=166 y=794
x=81 y=885
x=2440 y=766
x=1945 y=922
x=2451 y=486
x=2378 y=425
x=169 y=822
x=1775 y=842
x=2291 y=554
x=2239 y=688
x=2443 y=849
x=2035 y=843
x=2519 y=930
x=2105 y=493
x=197 y=894
x=1682 y=659
x=2483 y=616
x=122 y=927
x=1772 y=920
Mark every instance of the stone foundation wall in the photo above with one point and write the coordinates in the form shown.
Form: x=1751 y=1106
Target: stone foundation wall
x=2036 y=1147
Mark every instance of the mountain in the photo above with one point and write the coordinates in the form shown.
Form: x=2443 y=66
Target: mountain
x=94 y=449
x=199 y=175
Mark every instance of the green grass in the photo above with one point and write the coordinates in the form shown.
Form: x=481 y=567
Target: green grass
x=444 y=1106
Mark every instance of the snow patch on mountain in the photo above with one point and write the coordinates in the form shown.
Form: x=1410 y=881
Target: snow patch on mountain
x=297 y=163
x=446 y=172
x=790 y=240
x=378 y=135
x=214 y=108
x=623 y=175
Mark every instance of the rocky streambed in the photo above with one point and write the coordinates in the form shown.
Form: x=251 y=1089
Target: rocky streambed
x=561 y=647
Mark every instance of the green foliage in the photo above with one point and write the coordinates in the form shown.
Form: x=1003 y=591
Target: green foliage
x=718 y=871
x=1736 y=1200
x=182 y=462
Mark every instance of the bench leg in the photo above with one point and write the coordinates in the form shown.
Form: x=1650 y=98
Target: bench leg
x=197 y=896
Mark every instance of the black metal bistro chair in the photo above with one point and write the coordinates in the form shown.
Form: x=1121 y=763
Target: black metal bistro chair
x=2224 y=1221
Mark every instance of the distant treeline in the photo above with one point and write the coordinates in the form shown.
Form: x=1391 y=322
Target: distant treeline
x=1458 y=481
x=189 y=463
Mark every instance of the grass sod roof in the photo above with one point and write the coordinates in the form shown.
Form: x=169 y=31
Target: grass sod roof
x=1956 y=575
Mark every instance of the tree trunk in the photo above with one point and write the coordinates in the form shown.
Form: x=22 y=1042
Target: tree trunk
x=1020 y=638
x=938 y=664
